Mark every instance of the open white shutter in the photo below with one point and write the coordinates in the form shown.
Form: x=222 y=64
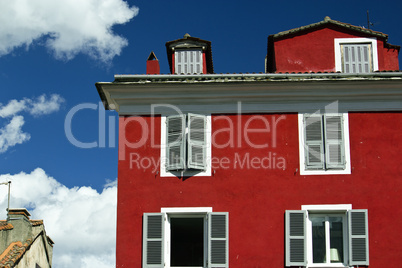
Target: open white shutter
x=334 y=142
x=358 y=237
x=152 y=245
x=218 y=239
x=175 y=142
x=196 y=141
x=313 y=141
x=295 y=235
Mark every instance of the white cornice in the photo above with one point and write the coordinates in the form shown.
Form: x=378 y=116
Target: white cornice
x=255 y=93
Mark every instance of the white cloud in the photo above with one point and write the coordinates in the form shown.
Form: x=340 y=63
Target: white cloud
x=12 y=134
x=81 y=221
x=12 y=108
x=42 y=105
x=66 y=27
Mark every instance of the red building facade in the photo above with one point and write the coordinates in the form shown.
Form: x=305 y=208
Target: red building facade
x=250 y=170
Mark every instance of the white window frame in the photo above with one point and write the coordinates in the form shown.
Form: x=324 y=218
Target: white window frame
x=302 y=159
x=195 y=212
x=186 y=173
x=298 y=236
x=341 y=209
x=338 y=51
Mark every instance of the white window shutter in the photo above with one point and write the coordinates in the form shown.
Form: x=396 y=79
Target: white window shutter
x=313 y=141
x=188 y=61
x=152 y=245
x=334 y=142
x=218 y=239
x=179 y=61
x=358 y=237
x=356 y=58
x=196 y=141
x=198 y=62
x=295 y=235
x=175 y=142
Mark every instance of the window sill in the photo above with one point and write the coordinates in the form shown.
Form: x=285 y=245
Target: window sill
x=345 y=171
x=327 y=265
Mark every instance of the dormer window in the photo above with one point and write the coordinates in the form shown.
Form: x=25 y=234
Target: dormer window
x=190 y=55
x=356 y=55
x=188 y=61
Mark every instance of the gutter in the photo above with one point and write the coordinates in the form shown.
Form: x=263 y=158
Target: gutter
x=267 y=76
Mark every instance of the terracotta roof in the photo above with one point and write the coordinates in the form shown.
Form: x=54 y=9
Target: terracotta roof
x=12 y=255
x=36 y=222
x=328 y=21
x=4 y=225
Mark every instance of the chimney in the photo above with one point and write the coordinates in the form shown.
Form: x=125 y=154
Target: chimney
x=152 y=64
x=18 y=214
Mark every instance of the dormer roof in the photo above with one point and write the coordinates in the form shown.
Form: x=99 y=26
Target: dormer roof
x=189 y=42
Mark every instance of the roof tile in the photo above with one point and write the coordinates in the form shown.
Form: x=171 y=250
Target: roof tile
x=4 y=225
x=13 y=253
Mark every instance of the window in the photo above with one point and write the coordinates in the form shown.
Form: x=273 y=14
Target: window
x=327 y=236
x=185 y=237
x=356 y=55
x=324 y=143
x=356 y=58
x=188 y=61
x=186 y=140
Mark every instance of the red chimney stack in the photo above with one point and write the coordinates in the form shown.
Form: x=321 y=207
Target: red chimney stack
x=152 y=64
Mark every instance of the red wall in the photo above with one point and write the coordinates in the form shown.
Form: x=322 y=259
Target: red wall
x=256 y=198
x=153 y=67
x=314 y=51
x=391 y=61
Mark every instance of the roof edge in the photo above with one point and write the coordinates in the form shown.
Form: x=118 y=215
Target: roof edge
x=328 y=21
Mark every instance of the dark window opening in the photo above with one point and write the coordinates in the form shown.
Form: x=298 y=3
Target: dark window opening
x=187 y=241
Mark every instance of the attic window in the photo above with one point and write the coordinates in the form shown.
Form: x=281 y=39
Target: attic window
x=356 y=55
x=188 y=61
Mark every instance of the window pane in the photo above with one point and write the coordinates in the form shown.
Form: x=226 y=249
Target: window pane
x=319 y=241
x=187 y=242
x=336 y=239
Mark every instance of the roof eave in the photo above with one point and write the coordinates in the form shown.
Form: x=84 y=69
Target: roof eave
x=265 y=93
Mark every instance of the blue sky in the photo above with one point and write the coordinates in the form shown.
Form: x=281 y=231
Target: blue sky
x=50 y=59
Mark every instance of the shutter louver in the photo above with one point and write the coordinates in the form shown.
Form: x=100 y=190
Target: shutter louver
x=198 y=62
x=175 y=142
x=313 y=140
x=196 y=141
x=358 y=237
x=218 y=239
x=295 y=232
x=334 y=143
x=152 y=240
x=179 y=61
